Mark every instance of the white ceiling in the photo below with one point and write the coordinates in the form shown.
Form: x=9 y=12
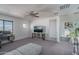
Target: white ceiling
x=21 y=10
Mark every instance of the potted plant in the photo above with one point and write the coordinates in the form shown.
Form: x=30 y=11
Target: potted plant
x=77 y=33
x=74 y=36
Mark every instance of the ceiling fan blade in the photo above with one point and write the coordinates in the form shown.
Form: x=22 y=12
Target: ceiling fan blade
x=32 y=13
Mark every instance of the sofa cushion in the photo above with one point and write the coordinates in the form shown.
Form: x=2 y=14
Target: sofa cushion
x=14 y=52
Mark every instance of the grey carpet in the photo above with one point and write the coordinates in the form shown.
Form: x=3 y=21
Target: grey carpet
x=49 y=47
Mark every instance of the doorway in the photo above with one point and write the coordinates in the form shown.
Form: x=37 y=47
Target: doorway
x=52 y=29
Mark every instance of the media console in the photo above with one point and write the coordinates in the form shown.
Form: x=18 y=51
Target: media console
x=38 y=35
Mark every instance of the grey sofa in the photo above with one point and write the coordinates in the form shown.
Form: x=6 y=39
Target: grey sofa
x=28 y=49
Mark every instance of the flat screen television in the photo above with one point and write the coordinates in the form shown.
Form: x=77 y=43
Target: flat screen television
x=38 y=29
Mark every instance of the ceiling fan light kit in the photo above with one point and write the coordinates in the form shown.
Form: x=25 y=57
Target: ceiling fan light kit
x=35 y=14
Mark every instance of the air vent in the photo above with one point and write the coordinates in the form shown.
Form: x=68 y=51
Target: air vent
x=76 y=12
x=77 y=7
x=64 y=6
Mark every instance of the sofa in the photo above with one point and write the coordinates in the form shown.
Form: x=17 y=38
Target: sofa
x=28 y=49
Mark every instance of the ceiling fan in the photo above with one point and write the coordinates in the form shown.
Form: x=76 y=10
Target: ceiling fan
x=33 y=13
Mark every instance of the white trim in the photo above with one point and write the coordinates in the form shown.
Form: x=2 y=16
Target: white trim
x=58 y=26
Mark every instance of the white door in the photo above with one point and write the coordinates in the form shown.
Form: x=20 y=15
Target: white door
x=52 y=29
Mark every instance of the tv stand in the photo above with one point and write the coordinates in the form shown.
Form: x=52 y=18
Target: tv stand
x=38 y=35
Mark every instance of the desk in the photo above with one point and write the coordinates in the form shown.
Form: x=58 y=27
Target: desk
x=4 y=37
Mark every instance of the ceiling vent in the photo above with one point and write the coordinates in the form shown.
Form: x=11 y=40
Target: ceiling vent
x=64 y=6
x=77 y=7
x=77 y=12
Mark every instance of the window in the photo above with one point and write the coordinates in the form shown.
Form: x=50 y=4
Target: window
x=6 y=25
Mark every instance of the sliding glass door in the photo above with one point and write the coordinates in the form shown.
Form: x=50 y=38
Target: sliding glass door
x=6 y=25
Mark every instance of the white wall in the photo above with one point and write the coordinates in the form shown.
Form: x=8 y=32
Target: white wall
x=21 y=32
x=44 y=22
x=40 y=22
x=18 y=29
